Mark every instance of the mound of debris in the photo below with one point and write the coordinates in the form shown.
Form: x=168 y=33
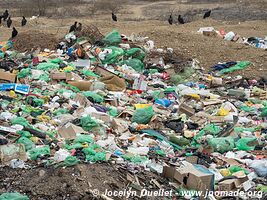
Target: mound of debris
x=28 y=40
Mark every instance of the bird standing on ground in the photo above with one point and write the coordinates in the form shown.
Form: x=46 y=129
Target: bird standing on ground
x=79 y=27
x=181 y=19
x=9 y=22
x=14 y=33
x=114 y=17
x=170 y=20
x=207 y=14
x=5 y=15
x=23 y=21
x=73 y=27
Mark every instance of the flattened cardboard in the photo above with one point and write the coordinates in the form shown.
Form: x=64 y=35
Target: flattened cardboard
x=82 y=100
x=58 y=76
x=81 y=85
x=104 y=117
x=103 y=72
x=7 y=77
x=69 y=131
x=183 y=108
x=73 y=77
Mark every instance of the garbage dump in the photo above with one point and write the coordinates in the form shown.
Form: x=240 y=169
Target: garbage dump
x=234 y=37
x=107 y=99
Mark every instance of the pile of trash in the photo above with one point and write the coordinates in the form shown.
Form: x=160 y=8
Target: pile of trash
x=118 y=99
x=231 y=36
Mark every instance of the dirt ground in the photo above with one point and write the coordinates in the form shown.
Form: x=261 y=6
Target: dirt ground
x=182 y=38
x=72 y=183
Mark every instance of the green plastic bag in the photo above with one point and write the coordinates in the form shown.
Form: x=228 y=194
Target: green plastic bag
x=88 y=123
x=74 y=146
x=112 y=38
x=93 y=96
x=44 y=77
x=112 y=111
x=56 y=61
x=91 y=150
x=71 y=161
x=61 y=111
x=143 y=115
x=264 y=112
x=248 y=109
x=41 y=151
x=246 y=144
x=242 y=129
x=239 y=66
x=212 y=129
x=21 y=121
x=47 y=66
x=222 y=144
x=24 y=73
x=179 y=141
x=34 y=101
x=136 y=64
x=99 y=156
x=234 y=169
x=136 y=53
x=27 y=143
x=89 y=73
x=135 y=159
x=24 y=134
x=114 y=56
x=13 y=196
x=83 y=139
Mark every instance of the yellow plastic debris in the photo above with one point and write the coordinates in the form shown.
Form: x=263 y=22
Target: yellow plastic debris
x=12 y=94
x=138 y=106
x=223 y=112
x=225 y=172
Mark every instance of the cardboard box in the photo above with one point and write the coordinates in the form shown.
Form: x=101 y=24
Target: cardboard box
x=69 y=131
x=196 y=177
x=192 y=159
x=200 y=179
x=7 y=77
x=183 y=108
x=81 y=85
x=227 y=185
x=12 y=151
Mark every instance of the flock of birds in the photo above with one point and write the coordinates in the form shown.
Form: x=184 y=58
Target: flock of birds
x=7 y=18
x=78 y=26
x=182 y=21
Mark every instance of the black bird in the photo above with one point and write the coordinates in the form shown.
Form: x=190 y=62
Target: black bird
x=170 y=20
x=23 y=21
x=5 y=15
x=181 y=19
x=79 y=27
x=114 y=17
x=207 y=14
x=73 y=27
x=9 y=22
x=14 y=33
